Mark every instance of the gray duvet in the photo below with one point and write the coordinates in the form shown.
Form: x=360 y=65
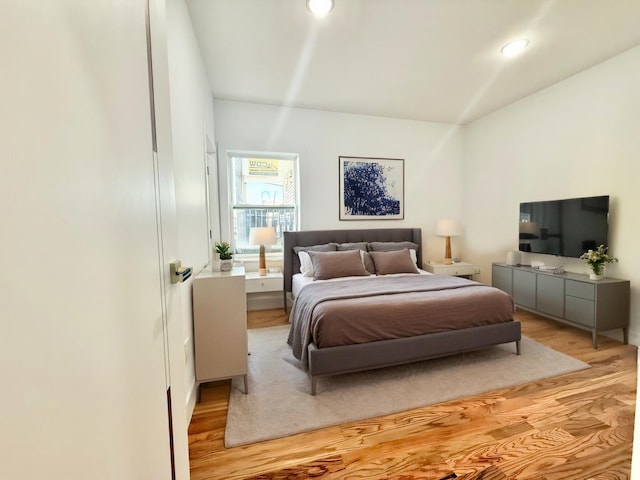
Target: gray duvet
x=376 y=308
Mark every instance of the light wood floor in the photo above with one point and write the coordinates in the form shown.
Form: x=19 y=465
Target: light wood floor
x=576 y=426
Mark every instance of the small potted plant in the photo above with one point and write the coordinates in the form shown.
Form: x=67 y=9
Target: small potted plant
x=597 y=260
x=226 y=256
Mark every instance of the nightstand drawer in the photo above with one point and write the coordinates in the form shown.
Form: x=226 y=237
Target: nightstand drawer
x=269 y=283
x=460 y=269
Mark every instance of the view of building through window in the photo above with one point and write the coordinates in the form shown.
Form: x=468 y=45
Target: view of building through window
x=264 y=194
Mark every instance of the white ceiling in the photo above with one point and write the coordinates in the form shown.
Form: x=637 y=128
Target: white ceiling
x=430 y=60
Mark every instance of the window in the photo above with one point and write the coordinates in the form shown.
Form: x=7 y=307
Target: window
x=264 y=193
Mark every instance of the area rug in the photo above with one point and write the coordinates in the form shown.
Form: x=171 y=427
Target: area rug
x=279 y=403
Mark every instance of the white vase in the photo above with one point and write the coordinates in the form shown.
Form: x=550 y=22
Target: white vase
x=595 y=276
x=226 y=265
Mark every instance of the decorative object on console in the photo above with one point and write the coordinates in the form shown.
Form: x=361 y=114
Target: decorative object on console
x=226 y=256
x=513 y=259
x=597 y=260
x=549 y=269
x=447 y=228
x=262 y=236
x=371 y=188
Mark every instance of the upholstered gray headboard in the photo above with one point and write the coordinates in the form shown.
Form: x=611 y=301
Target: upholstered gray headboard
x=317 y=237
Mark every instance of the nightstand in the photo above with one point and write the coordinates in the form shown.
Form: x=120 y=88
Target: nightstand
x=271 y=282
x=459 y=269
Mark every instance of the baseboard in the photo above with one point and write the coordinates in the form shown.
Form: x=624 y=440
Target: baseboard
x=634 y=338
x=616 y=334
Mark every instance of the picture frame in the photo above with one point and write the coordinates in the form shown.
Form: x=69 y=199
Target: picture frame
x=371 y=188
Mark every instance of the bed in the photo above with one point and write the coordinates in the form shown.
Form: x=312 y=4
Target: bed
x=363 y=321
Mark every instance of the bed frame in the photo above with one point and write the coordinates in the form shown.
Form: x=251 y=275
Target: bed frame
x=385 y=353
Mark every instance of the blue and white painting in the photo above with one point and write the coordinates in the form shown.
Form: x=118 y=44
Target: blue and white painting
x=371 y=188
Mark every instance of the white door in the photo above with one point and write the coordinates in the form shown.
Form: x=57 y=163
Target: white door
x=87 y=309
x=167 y=223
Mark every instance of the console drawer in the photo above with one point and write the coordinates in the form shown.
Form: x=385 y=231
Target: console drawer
x=580 y=311
x=580 y=289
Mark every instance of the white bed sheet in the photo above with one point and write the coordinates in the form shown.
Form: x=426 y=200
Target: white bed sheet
x=298 y=281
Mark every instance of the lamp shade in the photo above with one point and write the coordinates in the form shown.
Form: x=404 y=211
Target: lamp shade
x=448 y=228
x=262 y=236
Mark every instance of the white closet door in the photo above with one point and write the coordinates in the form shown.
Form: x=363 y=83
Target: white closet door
x=82 y=349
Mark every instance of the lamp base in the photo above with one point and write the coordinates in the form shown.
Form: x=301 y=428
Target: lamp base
x=262 y=264
x=447 y=251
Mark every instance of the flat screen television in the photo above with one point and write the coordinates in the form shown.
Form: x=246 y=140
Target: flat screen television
x=566 y=228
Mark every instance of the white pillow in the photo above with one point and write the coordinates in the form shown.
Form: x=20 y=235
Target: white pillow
x=306 y=266
x=414 y=255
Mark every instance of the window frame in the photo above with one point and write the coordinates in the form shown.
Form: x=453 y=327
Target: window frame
x=276 y=251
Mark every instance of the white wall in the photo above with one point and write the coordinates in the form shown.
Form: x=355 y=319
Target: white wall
x=579 y=137
x=432 y=154
x=81 y=350
x=191 y=123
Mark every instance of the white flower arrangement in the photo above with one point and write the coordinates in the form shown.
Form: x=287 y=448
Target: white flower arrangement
x=597 y=259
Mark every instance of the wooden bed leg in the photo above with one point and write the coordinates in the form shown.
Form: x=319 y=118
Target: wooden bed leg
x=313 y=385
x=518 y=349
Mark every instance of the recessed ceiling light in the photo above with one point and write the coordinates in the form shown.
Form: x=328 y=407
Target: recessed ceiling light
x=514 y=48
x=320 y=7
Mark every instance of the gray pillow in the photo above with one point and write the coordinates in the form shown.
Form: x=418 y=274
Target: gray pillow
x=364 y=246
x=394 y=261
x=328 y=265
x=391 y=246
x=325 y=247
x=368 y=262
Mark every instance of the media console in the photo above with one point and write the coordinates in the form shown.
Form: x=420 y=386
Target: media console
x=570 y=298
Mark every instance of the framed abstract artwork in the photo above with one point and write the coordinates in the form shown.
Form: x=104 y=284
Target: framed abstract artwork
x=371 y=188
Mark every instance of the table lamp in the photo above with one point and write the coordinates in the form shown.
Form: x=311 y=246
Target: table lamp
x=262 y=236
x=447 y=229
